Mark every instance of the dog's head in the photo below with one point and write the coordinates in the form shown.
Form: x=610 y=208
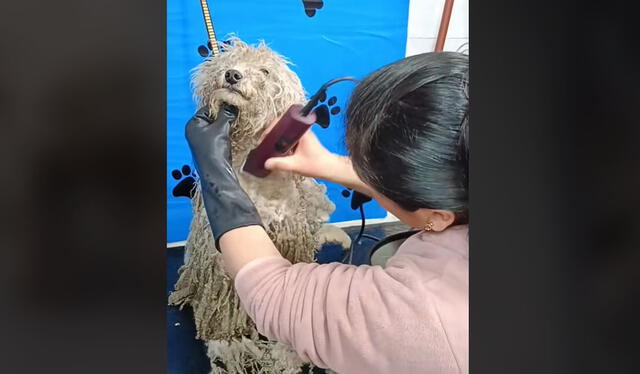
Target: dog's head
x=254 y=79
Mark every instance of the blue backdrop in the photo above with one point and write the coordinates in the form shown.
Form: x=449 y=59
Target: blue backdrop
x=343 y=37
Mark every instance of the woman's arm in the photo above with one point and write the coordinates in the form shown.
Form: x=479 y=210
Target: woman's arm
x=243 y=245
x=343 y=174
x=352 y=319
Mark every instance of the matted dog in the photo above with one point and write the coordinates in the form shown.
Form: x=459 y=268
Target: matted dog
x=293 y=208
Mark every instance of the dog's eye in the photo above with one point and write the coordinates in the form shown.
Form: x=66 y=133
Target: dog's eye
x=265 y=71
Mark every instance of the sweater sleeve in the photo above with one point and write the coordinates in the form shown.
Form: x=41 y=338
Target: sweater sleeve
x=344 y=317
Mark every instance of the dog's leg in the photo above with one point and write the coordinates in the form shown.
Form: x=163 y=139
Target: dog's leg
x=334 y=235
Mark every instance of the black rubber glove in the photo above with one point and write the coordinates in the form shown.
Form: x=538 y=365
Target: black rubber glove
x=228 y=206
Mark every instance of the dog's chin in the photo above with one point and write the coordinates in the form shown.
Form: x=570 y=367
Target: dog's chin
x=231 y=97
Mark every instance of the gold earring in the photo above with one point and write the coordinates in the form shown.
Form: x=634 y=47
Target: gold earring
x=428 y=226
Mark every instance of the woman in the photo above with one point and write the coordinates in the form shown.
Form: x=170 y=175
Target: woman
x=407 y=134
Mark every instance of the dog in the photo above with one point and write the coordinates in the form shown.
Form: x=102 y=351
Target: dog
x=293 y=208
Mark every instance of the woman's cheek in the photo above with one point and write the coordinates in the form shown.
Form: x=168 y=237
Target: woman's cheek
x=406 y=217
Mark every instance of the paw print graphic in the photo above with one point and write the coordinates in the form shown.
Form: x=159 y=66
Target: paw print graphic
x=310 y=6
x=357 y=198
x=187 y=181
x=207 y=50
x=323 y=110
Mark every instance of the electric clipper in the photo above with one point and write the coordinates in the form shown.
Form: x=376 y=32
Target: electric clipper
x=286 y=133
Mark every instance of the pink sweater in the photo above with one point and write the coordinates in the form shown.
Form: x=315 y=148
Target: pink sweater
x=410 y=317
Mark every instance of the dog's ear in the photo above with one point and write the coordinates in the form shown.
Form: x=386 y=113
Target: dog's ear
x=200 y=82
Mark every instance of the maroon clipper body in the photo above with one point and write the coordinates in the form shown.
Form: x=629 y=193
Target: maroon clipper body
x=284 y=135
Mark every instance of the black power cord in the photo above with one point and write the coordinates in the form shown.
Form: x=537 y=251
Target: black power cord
x=360 y=200
x=313 y=101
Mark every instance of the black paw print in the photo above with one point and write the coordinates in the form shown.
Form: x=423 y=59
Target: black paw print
x=187 y=181
x=310 y=6
x=357 y=198
x=206 y=51
x=322 y=111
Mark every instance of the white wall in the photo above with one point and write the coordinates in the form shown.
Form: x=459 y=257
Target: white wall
x=424 y=22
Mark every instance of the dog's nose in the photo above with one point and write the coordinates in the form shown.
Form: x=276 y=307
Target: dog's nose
x=232 y=76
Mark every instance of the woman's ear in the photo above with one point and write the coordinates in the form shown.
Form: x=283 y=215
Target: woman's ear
x=436 y=219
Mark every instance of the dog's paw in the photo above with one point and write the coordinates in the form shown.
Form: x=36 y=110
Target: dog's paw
x=330 y=234
x=187 y=181
x=324 y=111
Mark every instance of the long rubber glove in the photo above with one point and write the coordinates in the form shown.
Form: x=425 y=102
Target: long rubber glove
x=228 y=206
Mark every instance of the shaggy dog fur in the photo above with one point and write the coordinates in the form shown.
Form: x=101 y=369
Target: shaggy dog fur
x=292 y=208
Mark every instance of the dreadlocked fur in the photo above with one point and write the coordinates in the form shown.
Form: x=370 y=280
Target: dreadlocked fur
x=292 y=208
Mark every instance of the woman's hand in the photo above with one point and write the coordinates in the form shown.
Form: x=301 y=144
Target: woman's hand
x=227 y=204
x=312 y=159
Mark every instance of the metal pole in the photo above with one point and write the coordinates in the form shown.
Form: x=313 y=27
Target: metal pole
x=209 y=24
x=444 y=25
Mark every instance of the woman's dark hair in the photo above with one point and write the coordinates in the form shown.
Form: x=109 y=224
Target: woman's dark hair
x=408 y=132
